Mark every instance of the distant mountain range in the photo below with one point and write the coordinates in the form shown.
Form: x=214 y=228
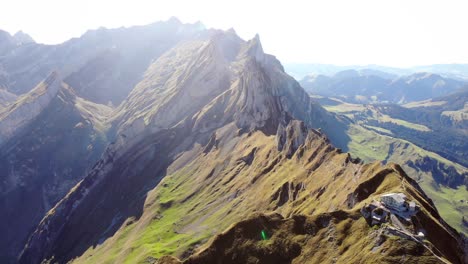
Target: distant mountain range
x=9 y=42
x=111 y=59
x=367 y=86
x=301 y=70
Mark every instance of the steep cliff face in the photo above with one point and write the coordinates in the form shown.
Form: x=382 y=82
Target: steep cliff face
x=213 y=80
x=215 y=132
x=27 y=107
x=59 y=137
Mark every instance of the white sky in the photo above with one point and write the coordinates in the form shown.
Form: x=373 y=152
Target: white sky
x=386 y=32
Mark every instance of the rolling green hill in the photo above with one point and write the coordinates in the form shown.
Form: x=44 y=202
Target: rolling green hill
x=380 y=134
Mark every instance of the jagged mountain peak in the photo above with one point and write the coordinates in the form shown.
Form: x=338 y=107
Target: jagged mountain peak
x=255 y=49
x=255 y=41
x=19 y=38
x=212 y=80
x=231 y=31
x=219 y=75
x=23 y=38
x=174 y=20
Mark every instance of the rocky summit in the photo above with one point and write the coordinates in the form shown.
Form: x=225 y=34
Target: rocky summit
x=210 y=154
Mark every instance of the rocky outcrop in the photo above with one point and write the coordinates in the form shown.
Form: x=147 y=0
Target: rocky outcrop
x=289 y=139
x=28 y=106
x=330 y=237
x=214 y=80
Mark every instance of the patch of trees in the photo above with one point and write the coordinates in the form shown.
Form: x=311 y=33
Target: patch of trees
x=441 y=173
x=447 y=142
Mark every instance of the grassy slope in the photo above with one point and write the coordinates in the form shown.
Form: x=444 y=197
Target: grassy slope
x=349 y=109
x=344 y=237
x=371 y=146
x=458 y=115
x=203 y=194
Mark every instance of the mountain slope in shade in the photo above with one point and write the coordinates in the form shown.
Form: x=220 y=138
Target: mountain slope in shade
x=45 y=157
x=185 y=167
x=6 y=41
x=6 y=98
x=355 y=87
x=103 y=65
x=28 y=106
x=450 y=110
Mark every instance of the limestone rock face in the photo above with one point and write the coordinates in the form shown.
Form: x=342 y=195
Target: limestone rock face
x=213 y=80
x=28 y=106
x=290 y=138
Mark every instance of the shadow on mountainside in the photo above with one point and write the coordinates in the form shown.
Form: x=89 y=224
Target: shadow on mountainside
x=119 y=197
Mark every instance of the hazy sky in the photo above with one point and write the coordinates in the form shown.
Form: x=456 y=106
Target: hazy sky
x=387 y=32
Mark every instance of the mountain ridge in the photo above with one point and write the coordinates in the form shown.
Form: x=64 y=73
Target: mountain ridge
x=354 y=87
x=170 y=182
x=46 y=156
x=84 y=62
